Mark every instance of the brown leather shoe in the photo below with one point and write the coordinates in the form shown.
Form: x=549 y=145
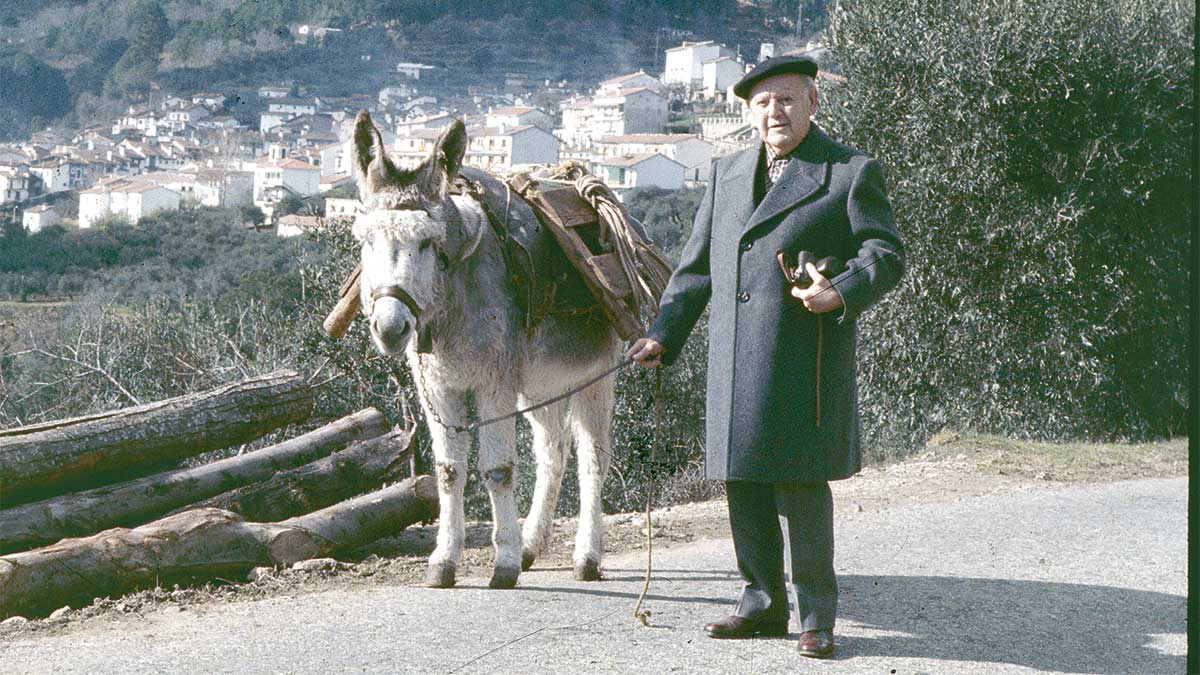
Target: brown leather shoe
x=735 y=627
x=817 y=644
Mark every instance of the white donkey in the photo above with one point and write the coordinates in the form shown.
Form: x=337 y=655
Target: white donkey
x=432 y=270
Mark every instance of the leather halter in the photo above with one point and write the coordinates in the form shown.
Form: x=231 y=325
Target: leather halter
x=424 y=335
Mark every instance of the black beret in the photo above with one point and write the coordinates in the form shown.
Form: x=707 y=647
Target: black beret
x=777 y=65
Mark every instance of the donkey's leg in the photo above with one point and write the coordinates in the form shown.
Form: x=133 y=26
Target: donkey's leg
x=450 y=454
x=591 y=412
x=497 y=467
x=550 y=446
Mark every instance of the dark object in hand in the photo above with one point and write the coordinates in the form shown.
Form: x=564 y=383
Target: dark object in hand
x=828 y=266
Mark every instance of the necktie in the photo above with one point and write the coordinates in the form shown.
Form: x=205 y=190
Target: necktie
x=775 y=167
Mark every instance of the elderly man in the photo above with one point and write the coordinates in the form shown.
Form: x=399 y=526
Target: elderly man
x=782 y=410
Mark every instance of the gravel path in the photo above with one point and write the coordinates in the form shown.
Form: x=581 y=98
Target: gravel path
x=1057 y=578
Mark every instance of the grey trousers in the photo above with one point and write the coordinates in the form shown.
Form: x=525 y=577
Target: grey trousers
x=762 y=517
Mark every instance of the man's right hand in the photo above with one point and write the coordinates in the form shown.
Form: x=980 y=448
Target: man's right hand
x=648 y=353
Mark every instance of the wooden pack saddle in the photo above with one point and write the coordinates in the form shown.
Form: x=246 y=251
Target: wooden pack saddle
x=559 y=259
x=562 y=256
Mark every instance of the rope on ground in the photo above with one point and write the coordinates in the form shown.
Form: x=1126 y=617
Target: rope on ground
x=527 y=635
x=643 y=615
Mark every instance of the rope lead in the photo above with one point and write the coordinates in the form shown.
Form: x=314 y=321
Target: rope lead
x=643 y=615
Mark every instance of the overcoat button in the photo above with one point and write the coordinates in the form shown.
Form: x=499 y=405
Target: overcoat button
x=747 y=245
x=745 y=296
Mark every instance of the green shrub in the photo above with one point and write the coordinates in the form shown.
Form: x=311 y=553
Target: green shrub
x=1037 y=157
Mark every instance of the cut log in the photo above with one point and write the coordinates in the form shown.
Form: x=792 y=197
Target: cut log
x=53 y=458
x=199 y=545
x=144 y=499
x=363 y=466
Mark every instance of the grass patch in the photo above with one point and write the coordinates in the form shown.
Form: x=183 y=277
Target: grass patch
x=1067 y=462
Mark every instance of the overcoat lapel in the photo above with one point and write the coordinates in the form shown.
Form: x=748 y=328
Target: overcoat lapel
x=739 y=183
x=804 y=175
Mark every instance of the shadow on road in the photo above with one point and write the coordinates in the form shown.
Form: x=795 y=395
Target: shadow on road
x=1073 y=628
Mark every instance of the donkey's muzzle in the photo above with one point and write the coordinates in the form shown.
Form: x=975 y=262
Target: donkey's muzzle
x=400 y=294
x=392 y=324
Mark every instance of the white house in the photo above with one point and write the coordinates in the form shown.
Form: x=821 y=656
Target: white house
x=694 y=153
x=17 y=183
x=318 y=33
x=394 y=95
x=293 y=225
x=420 y=106
x=220 y=122
x=631 y=81
x=413 y=146
x=131 y=198
x=519 y=116
x=209 y=99
x=720 y=74
x=501 y=148
x=333 y=158
x=626 y=111
x=222 y=187
x=684 y=64
x=276 y=177
x=413 y=70
x=646 y=170
x=39 y=217
x=139 y=118
x=55 y=174
x=272 y=92
x=492 y=148
x=435 y=121
x=280 y=110
x=294 y=106
x=185 y=115
x=206 y=187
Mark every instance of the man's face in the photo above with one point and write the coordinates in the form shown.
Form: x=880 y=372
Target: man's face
x=781 y=108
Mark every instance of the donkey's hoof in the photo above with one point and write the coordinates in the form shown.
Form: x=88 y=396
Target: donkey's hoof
x=527 y=558
x=504 y=578
x=588 y=570
x=440 y=575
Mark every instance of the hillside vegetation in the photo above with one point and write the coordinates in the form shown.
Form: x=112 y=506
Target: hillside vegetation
x=79 y=61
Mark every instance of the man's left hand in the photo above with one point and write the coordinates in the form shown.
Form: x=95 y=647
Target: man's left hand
x=820 y=297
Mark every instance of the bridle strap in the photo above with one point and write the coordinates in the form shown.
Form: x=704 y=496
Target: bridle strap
x=400 y=294
x=424 y=336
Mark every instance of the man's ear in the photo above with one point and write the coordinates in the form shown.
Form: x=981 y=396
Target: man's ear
x=372 y=167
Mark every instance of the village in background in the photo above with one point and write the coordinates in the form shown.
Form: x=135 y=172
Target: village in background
x=291 y=167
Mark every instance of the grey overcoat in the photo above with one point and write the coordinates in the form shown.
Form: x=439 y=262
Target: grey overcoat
x=762 y=358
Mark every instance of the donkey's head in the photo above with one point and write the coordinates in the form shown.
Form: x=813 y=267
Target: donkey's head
x=412 y=234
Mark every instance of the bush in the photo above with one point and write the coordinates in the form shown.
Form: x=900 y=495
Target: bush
x=1038 y=162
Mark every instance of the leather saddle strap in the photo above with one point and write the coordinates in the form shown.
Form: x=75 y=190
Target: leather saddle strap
x=424 y=335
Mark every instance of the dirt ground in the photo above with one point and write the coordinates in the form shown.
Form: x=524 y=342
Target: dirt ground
x=953 y=467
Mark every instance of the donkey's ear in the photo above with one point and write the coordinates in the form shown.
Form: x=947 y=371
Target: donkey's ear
x=371 y=164
x=447 y=157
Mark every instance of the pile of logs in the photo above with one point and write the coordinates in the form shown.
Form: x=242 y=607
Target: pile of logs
x=88 y=507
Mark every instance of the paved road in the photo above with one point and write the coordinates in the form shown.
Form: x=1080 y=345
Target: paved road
x=1075 y=579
